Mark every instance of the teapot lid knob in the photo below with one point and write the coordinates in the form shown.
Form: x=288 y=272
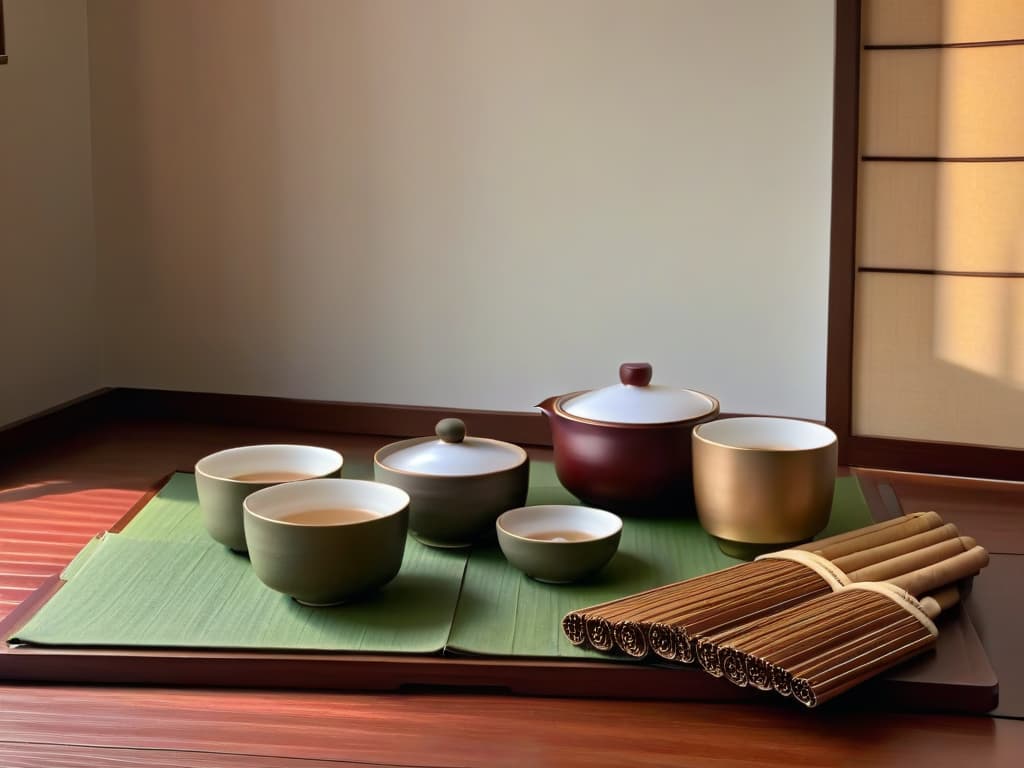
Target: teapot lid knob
x=635 y=374
x=451 y=430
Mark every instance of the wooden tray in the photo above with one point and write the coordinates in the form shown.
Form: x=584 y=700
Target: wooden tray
x=957 y=677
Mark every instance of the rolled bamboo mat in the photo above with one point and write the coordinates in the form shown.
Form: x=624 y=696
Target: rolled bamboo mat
x=825 y=646
x=714 y=651
x=668 y=620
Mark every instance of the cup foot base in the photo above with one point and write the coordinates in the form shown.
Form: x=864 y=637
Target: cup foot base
x=442 y=544
x=320 y=605
x=551 y=581
x=747 y=551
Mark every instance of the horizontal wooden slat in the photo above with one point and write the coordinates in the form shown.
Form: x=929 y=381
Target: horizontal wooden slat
x=77 y=755
x=927 y=159
x=939 y=358
x=956 y=102
x=942 y=272
x=44 y=523
x=895 y=22
x=496 y=730
x=922 y=46
x=957 y=216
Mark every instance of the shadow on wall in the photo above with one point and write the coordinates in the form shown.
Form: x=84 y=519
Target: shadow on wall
x=188 y=167
x=979 y=322
x=461 y=203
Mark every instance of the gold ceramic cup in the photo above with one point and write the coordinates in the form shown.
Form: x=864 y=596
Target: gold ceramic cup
x=762 y=483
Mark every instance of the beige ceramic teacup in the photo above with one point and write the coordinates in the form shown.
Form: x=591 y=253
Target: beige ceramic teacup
x=325 y=542
x=225 y=478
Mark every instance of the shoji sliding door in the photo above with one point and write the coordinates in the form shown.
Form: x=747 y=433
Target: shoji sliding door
x=927 y=319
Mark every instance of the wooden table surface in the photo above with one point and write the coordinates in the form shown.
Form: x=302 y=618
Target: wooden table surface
x=53 y=500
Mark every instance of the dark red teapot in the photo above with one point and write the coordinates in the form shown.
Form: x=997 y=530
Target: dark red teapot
x=627 y=447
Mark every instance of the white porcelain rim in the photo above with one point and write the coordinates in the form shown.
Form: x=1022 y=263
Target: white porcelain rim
x=323 y=461
x=302 y=495
x=612 y=522
x=711 y=433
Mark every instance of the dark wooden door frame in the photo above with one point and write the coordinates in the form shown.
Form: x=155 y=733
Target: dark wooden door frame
x=3 y=40
x=863 y=450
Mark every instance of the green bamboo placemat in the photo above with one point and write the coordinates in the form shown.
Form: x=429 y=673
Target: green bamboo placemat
x=134 y=592
x=83 y=556
x=164 y=583
x=503 y=612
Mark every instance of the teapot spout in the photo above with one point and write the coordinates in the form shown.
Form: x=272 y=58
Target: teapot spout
x=547 y=406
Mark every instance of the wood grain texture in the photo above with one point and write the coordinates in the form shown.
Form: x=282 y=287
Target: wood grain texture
x=843 y=236
x=75 y=756
x=988 y=511
x=492 y=730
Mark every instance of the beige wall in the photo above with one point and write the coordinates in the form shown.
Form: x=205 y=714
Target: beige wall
x=462 y=202
x=48 y=317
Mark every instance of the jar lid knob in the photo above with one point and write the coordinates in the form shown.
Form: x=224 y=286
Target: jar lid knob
x=451 y=430
x=635 y=374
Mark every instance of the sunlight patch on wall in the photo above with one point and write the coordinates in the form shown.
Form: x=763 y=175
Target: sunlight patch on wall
x=974 y=326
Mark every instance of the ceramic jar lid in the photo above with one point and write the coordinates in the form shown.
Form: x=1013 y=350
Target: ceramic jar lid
x=454 y=454
x=636 y=401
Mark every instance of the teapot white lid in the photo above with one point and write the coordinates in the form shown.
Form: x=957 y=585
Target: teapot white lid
x=636 y=401
x=454 y=454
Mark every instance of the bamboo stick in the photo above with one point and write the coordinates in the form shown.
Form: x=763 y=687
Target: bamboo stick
x=933 y=577
x=912 y=561
x=818 y=545
x=909 y=527
x=940 y=601
x=866 y=557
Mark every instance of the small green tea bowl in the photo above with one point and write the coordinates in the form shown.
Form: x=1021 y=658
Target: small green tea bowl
x=327 y=541
x=225 y=478
x=558 y=543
